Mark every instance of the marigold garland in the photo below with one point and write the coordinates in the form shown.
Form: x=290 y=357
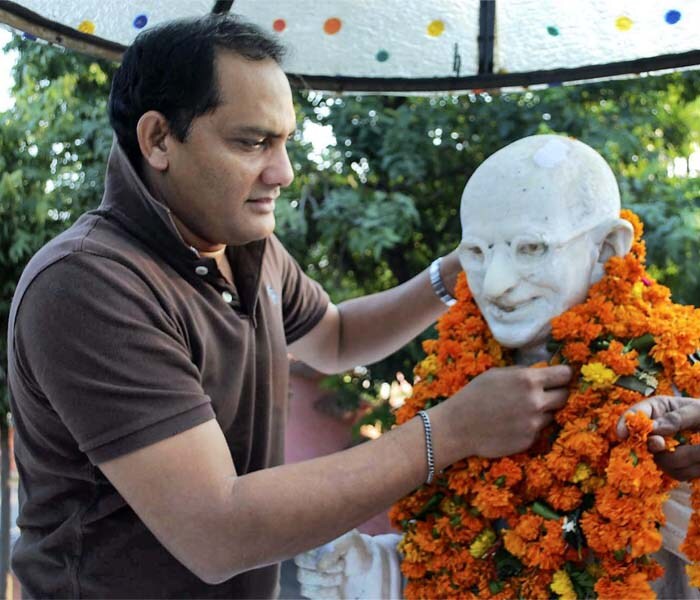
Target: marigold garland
x=579 y=513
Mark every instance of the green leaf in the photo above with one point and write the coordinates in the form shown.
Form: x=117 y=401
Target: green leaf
x=540 y=508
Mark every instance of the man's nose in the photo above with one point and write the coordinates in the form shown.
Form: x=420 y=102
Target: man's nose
x=279 y=171
x=501 y=276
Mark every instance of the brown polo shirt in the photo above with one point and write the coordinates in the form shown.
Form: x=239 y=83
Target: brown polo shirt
x=121 y=335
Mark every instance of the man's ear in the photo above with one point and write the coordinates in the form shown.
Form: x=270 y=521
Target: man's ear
x=153 y=134
x=617 y=242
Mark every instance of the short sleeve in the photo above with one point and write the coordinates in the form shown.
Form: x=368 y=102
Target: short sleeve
x=304 y=301
x=99 y=344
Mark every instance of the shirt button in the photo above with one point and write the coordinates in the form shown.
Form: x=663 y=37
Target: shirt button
x=201 y=270
x=228 y=298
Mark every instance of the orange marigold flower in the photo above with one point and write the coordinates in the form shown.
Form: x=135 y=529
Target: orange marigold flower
x=577 y=454
x=633 y=587
x=564 y=497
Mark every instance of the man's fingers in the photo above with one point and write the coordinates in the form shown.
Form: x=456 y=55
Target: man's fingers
x=656 y=444
x=653 y=407
x=682 y=458
x=685 y=416
x=554 y=377
x=554 y=399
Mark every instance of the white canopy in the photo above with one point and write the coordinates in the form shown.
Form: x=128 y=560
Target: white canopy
x=409 y=45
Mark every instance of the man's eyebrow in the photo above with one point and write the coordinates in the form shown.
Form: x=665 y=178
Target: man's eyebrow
x=262 y=132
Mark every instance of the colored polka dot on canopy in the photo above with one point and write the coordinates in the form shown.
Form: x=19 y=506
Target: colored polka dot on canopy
x=86 y=27
x=140 y=21
x=624 y=23
x=672 y=17
x=436 y=28
x=414 y=44
x=332 y=25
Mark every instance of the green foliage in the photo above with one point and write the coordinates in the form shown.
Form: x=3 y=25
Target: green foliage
x=425 y=148
x=375 y=208
x=53 y=150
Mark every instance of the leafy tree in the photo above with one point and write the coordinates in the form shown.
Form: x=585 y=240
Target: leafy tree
x=53 y=149
x=415 y=154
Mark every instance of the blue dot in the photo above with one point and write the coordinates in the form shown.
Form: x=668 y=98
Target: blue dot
x=29 y=36
x=672 y=17
x=382 y=56
x=140 y=21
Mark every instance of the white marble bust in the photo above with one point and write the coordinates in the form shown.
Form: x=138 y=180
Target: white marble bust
x=540 y=218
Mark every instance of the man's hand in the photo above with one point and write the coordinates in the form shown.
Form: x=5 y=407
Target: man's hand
x=353 y=566
x=499 y=413
x=671 y=414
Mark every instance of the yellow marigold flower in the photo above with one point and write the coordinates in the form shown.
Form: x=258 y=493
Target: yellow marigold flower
x=428 y=366
x=637 y=289
x=583 y=472
x=598 y=376
x=482 y=543
x=693 y=572
x=561 y=584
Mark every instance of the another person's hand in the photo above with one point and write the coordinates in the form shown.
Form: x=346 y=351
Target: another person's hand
x=353 y=566
x=671 y=414
x=500 y=412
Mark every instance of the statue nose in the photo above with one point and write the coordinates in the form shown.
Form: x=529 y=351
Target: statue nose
x=501 y=276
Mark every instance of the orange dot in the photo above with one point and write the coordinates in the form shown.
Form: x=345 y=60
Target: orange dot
x=332 y=25
x=86 y=27
x=279 y=25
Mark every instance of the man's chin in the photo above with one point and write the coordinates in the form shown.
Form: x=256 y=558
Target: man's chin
x=261 y=232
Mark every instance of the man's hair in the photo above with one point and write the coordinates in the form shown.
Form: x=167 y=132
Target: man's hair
x=171 y=69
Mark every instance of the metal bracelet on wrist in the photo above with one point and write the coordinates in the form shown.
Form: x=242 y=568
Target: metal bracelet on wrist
x=438 y=284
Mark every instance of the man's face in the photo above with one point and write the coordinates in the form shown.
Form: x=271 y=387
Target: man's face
x=222 y=181
x=525 y=262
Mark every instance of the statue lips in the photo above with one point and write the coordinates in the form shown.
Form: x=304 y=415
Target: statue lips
x=508 y=312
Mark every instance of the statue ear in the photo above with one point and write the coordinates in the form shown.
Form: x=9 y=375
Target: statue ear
x=617 y=242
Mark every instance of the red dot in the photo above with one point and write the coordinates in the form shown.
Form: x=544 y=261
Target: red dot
x=332 y=25
x=279 y=25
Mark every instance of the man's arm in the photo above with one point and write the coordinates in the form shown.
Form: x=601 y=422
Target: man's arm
x=364 y=330
x=186 y=490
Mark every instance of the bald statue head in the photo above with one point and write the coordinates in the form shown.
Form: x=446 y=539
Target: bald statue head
x=540 y=218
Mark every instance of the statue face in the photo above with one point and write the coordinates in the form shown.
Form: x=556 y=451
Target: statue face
x=523 y=274
x=530 y=238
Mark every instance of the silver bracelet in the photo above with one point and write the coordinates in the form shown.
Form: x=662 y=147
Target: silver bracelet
x=438 y=284
x=428 y=446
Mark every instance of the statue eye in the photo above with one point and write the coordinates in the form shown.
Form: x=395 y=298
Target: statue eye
x=531 y=249
x=471 y=253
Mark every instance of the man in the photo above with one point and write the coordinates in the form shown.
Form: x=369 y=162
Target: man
x=148 y=351
x=531 y=252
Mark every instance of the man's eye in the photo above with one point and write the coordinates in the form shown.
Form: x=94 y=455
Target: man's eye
x=531 y=249
x=252 y=143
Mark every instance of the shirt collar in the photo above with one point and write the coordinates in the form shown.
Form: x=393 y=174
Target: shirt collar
x=127 y=200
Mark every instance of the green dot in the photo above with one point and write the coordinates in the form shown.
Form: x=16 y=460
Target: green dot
x=382 y=56
x=551 y=30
